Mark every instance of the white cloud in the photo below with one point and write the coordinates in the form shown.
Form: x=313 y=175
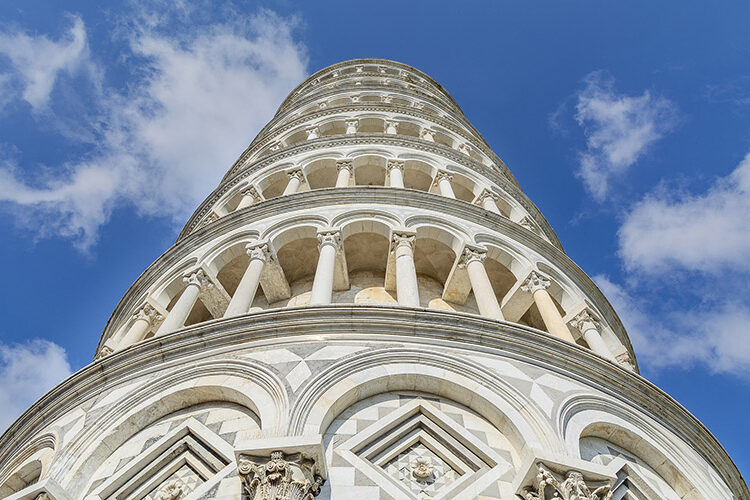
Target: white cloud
x=708 y=232
x=28 y=371
x=38 y=61
x=717 y=337
x=619 y=129
x=201 y=96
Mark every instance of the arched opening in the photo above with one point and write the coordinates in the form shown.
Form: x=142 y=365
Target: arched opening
x=369 y=171
x=321 y=173
x=297 y=253
x=418 y=175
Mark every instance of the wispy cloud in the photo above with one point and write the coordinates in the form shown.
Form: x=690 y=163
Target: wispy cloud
x=707 y=232
x=619 y=130
x=28 y=371
x=38 y=61
x=197 y=97
x=715 y=336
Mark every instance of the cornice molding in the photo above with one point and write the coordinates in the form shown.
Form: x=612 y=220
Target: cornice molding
x=378 y=324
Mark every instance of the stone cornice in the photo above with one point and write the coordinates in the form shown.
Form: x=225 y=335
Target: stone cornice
x=265 y=137
x=378 y=324
x=368 y=195
x=502 y=180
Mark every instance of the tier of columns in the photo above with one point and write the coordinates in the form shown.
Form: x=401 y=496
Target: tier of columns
x=406 y=287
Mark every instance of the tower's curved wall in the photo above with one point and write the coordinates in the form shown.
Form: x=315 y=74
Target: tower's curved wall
x=366 y=306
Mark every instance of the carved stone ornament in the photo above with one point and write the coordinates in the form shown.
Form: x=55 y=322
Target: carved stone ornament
x=441 y=175
x=573 y=487
x=329 y=238
x=295 y=174
x=585 y=320
x=344 y=164
x=147 y=313
x=406 y=239
x=42 y=496
x=535 y=282
x=251 y=192
x=170 y=491
x=527 y=223
x=422 y=469
x=472 y=254
x=106 y=351
x=197 y=278
x=212 y=217
x=258 y=251
x=280 y=477
x=395 y=164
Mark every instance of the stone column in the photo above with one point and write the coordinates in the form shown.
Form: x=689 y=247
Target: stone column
x=396 y=172
x=194 y=281
x=407 y=289
x=536 y=284
x=488 y=200
x=247 y=288
x=312 y=133
x=329 y=243
x=250 y=195
x=443 y=181
x=588 y=324
x=345 y=172
x=352 y=126
x=391 y=127
x=473 y=260
x=143 y=320
x=295 y=179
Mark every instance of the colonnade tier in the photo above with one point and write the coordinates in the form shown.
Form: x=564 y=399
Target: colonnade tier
x=438 y=156
x=443 y=253
x=347 y=118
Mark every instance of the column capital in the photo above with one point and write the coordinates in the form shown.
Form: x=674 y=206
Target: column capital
x=322 y=104
x=103 y=353
x=568 y=483
x=443 y=175
x=391 y=124
x=387 y=99
x=472 y=253
x=258 y=250
x=275 y=146
x=486 y=193
x=312 y=131
x=403 y=238
x=427 y=134
x=535 y=282
x=527 y=223
x=464 y=148
x=295 y=174
x=329 y=237
x=352 y=123
x=355 y=98
x=291 y=476
x=251 y=192
x=417 y=105
x=344 y=164
x=586 y=320
x=391 y=164
x=196 y=277
x=148 y=313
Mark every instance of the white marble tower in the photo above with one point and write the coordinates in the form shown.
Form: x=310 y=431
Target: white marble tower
x=366 y=307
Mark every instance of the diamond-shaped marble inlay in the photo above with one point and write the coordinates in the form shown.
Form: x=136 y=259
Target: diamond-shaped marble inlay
x=179 y=485
x=423 y=472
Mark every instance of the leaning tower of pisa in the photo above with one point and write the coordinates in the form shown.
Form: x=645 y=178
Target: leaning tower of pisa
x=367 y=307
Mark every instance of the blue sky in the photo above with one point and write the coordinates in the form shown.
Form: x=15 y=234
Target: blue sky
x=627 y=123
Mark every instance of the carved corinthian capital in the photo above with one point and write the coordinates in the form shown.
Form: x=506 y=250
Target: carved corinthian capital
x=472 y=254
x=198 y=278
x=280 y=477
x=572 y=487
x=331 y=237
x=147 y=313
x=535 y=282
x=258 y=251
